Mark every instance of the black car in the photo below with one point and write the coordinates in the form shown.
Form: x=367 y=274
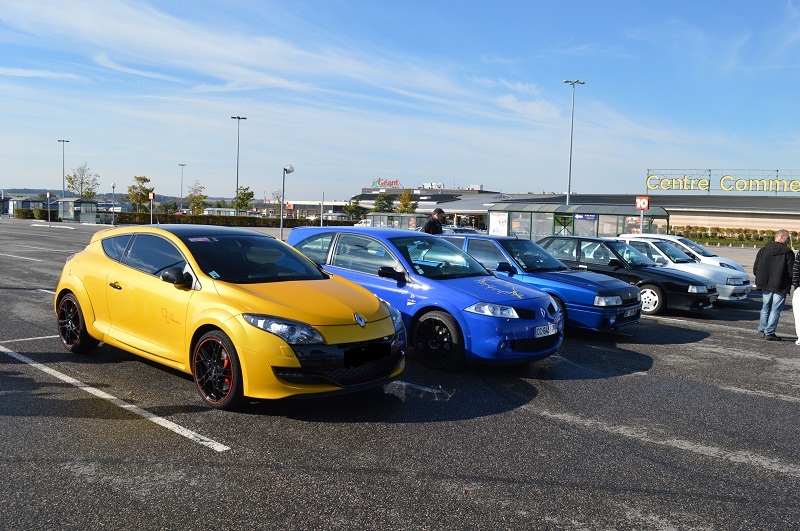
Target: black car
x=661 y=288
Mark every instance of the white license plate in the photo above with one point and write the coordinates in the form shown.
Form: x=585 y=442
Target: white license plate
x=629 y=312
x=547 y=330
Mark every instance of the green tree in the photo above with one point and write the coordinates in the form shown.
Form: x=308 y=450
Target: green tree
x=406 y=205
x=139 y=192
x=83 y=182
x=196 y=198
x=383 y=203
x=353 y=209
x=243 y=198
x=221 y=203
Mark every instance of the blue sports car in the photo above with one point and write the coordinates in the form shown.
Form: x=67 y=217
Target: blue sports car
x=587 y=300
x=453 y=308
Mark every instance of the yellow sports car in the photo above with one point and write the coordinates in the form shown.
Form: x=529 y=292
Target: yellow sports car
x=243 y=312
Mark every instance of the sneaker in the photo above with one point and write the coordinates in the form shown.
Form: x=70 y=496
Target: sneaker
x=771 y=337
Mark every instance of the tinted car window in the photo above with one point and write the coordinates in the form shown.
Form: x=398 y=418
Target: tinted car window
x=595 y=253
x=563 y=249
x=115 y=247
x=250 y=259
x=153 y=254
x=531 y=257
x=486 y=252
x=363 y=254
x=316 y=247
x=437 y=259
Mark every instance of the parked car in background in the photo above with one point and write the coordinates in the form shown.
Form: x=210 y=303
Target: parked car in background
x=243 y=312
x=661 y=288
x=697 y=252
x=455 y=310
x=732 y=285
x=451 y=229
x=587 y=299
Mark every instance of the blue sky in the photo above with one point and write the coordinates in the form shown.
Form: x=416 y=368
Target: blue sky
x=349 y=91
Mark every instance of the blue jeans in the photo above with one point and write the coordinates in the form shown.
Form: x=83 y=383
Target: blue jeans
x=771 y=306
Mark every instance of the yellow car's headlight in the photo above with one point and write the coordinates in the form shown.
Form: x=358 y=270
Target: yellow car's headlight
x=293 y=332
x=397 y=318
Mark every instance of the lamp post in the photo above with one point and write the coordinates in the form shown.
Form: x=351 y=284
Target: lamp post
x=182 y=166
x=238 y=123
x=113 y=201
x=571 y=125
x=63 y=172
x=286 y=169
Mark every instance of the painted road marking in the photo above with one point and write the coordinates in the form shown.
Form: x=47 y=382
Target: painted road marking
x=643 y=435
x=164 y=423
x=22 y=257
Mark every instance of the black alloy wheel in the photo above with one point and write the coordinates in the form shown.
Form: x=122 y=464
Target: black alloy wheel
x=216 y=370
x=437 y=341
x=72 y=327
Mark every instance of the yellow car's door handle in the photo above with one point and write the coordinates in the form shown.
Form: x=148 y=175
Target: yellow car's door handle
x=115 y=285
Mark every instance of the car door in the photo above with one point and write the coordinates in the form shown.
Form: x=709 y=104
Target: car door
x=597 y=256
x=146 y=312
x=358 y=258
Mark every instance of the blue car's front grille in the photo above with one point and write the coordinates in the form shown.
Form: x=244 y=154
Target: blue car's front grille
x=534 y=344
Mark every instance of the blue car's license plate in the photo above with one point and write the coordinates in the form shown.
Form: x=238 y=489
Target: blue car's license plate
x=547 y=330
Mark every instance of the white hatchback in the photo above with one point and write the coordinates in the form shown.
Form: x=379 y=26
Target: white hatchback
x=732 y=285
x=696 y=252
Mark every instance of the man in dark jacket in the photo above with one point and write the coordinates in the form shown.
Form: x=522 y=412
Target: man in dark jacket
x=773 y=271
x=434 y=223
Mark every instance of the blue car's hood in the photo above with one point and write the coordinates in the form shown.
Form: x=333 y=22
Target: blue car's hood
x=587 y=279
x=498 y=290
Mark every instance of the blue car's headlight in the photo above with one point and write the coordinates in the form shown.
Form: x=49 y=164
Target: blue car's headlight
x=607 y=300
x=293 y=332
x=493 y=310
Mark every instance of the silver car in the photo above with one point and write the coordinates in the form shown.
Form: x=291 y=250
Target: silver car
x=732 y=285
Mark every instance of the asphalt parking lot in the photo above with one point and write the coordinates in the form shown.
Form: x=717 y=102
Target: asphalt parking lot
x=686 y=421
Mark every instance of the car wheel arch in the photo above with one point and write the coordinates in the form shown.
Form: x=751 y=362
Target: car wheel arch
x=83 y=299
x=465 y=336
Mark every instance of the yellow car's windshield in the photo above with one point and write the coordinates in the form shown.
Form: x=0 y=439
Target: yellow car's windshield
x=249 y=259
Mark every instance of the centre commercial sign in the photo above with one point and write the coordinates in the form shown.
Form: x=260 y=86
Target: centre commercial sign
x=727 y=183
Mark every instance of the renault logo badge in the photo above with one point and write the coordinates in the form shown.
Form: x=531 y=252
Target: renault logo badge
x=360 y=320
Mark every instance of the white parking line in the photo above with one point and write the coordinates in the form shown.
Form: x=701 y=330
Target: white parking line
x=164 y=423
x=764 y=394
x=27 y=339
x=22 y=257
x=641 y=434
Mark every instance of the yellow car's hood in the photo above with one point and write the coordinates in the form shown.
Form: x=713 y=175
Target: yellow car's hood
x=329 y=302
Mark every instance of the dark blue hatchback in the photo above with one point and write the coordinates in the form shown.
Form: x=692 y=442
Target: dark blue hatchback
x=588 y=300
x=453 y=308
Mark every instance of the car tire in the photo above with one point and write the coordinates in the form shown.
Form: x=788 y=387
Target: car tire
x=652 y=299
x=72 y=326
x=216 y=370
x=437 y=341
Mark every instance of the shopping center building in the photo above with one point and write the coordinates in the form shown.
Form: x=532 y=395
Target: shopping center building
x=717 y=200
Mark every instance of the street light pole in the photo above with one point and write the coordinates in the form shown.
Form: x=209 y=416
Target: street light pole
x=63 y=171
x=113 y=201
x=182 y=166
x=571 y=126
x=286 y=169
x=235 y=195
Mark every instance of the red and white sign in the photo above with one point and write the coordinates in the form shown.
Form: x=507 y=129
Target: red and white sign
x=151 y=195
x=642 y=202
